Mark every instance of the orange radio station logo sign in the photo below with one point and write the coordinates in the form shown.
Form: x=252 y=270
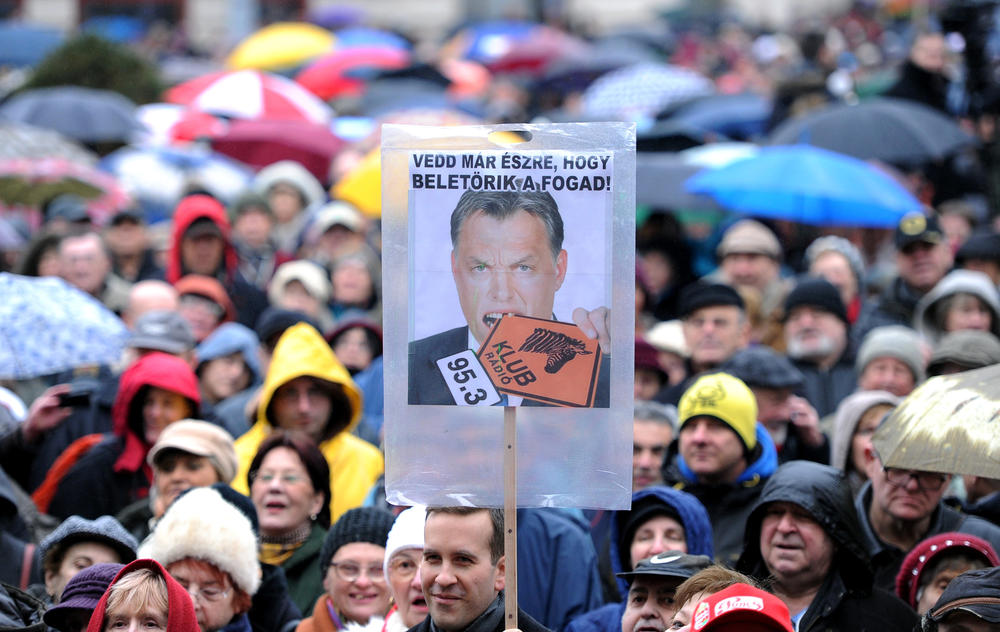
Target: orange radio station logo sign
x=543 y=360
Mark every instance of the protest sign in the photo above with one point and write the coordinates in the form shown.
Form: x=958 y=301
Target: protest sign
x=488 y=244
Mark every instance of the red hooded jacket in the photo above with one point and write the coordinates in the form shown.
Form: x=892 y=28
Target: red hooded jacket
x=180 y=608
x=189 y=209
x=113 y=473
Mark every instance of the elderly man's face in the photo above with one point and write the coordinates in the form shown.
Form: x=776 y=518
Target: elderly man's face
x=794 y=546
x=714 y=333
x=923 y=264
x=814 y=334
x=650 y=440
x=505 y=267
x=911 y=497
x=650 y=606
x=83 y=262
x=750 y=269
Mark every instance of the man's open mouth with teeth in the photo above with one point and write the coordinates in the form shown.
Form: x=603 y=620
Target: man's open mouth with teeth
x=491 y=318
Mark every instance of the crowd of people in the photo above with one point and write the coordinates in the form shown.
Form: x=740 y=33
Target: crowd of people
x=227 y=473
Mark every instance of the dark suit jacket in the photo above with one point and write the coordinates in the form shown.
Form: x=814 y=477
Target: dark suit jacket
x=427 y=386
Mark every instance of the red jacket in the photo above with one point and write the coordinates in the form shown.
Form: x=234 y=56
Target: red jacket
x=188 y=210
x=180 y=607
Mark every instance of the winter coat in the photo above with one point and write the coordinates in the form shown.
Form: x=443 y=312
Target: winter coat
x=355 y=464
x=956 y=282
x=847 y=599
x=921 y=86
x=272 y=609
x=886 y=558
x=305 y=581
x=180 y=608
x=114 y=473
x=557 y=577
x=248 y=299
x=14 y=539
x=826 y=388
x=895 y=306
x=19 y=611
x=697 y=534
x=728 y=504
x=524 y=623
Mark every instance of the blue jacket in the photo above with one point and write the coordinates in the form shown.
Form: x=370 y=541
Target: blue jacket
x=697 y=533
x=557 y=573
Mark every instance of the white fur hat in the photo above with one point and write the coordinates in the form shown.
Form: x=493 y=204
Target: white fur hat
x=200 y=524
x=407 y=532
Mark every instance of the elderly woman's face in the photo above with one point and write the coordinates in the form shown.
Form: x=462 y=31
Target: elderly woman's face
x=404 y=584
x=355 y=582
x=212 y=593
x=283 y=493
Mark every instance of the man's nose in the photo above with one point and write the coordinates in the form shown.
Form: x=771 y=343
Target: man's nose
x=500 y=284
x=445 y=577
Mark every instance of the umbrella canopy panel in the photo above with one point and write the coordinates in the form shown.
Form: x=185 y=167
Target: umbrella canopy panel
x=891 y=130
x=809 y=185
x=48 y=326
x=85 y=114
x=279 y=46
x=19 y=140
x=950 y=424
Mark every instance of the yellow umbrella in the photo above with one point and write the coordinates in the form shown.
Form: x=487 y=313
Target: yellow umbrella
x=280 y=45
x=362 y=186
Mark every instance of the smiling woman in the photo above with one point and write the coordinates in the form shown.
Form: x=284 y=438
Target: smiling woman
x=352 y=562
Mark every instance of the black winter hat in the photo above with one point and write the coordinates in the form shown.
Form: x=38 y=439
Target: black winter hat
x=818 y=293
x=701 y=294
x=361 y=524
x=763 y=367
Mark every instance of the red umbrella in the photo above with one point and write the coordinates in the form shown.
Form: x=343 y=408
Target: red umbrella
x=250 y=94
x=340 y=72
x=261 y=143
x=533 y=54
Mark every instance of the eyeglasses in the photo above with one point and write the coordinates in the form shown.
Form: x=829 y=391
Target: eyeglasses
x=209 y=593
x=927 y=481
x=268 y=477
x=351 y=571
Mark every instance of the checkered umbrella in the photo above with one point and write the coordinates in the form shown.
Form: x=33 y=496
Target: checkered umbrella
x=641 y=91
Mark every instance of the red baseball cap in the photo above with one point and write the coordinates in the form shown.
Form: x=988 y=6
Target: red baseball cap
x=741 y=608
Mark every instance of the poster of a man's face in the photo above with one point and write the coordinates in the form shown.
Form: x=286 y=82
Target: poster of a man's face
x=512 y=280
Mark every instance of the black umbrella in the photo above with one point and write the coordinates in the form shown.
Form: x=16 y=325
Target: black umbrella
x=891 y=130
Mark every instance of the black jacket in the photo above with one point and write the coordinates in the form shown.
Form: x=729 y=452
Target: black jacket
x=847 y=600
x=894 y=306
x=524 y=623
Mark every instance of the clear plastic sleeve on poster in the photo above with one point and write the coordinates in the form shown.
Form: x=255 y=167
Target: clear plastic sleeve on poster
x=509 y=280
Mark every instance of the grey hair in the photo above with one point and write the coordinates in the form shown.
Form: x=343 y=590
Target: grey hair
x=664 y=414
x=500 y=205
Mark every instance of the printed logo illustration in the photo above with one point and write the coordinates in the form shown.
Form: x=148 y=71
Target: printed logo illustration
x=542 y=360
x=559 y=348
x=710 y=395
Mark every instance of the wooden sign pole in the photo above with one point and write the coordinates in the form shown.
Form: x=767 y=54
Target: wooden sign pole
x=510 y=515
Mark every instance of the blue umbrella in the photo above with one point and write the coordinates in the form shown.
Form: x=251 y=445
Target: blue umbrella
x=48 y=326
x=808 y=185
x=25 y=44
